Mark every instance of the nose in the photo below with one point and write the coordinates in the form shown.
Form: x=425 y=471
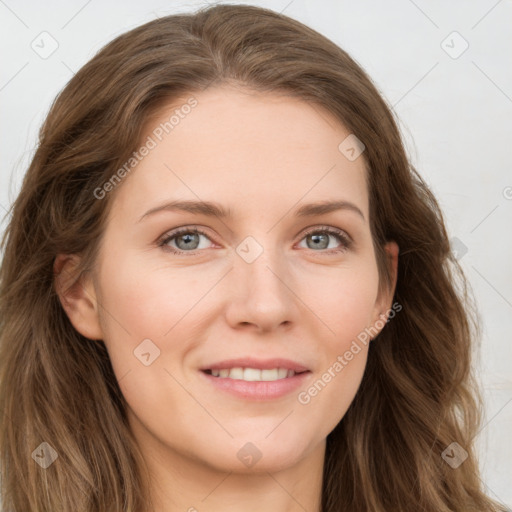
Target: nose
x=262 y=293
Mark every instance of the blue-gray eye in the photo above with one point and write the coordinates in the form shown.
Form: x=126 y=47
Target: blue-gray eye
x=320 y=239
x=185 y=239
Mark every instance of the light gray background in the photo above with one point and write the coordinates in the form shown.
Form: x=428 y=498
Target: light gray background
x=455 y=112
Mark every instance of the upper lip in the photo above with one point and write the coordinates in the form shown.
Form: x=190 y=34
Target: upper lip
x=263 y=364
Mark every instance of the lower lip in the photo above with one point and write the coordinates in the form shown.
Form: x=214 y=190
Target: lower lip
x=258 y=390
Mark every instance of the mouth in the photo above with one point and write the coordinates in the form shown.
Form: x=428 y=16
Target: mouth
x=251 y=379
x=253 y=374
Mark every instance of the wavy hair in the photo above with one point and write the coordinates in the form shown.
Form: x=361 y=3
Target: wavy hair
x=418 y=394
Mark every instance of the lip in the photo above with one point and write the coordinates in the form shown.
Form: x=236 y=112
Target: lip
x=257 y=390
x=262 y=364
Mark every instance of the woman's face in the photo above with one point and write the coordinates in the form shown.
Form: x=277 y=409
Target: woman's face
x=264 y=287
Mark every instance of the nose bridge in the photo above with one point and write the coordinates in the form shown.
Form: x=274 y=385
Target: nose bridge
x=260 y=279
x=261 y=264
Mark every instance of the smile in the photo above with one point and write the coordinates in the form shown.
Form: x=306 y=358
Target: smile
x=252 y=374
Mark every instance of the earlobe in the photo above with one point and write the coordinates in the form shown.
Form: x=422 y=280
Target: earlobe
x=77 y=296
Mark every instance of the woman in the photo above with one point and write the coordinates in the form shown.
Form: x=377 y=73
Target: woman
x=225 y=286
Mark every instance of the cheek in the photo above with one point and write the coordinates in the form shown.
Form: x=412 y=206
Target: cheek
x=143 y=302
x=146 y=301
x=346 y=305
x=330 y=394
x=345 y=301
x=140 y=302
x=343 y=358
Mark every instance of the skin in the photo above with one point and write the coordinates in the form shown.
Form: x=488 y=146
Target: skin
x=263 y=156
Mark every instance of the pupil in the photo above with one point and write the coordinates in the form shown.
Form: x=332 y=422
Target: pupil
x=187 y=238
x=318 y=242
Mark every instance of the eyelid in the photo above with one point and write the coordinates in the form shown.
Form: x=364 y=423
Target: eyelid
x=324 y=227
x=345 y=238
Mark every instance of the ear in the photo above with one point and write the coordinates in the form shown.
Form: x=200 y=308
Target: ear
x=77 y=295
x=385 y=297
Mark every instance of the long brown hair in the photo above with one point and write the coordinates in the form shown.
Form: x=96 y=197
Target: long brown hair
x=418 y=394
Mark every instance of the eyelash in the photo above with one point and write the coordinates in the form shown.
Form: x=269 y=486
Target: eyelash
x=346 y=242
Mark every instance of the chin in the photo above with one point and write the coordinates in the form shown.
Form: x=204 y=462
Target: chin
x=244 y=456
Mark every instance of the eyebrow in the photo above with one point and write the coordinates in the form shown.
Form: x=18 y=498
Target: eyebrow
x=212 y=209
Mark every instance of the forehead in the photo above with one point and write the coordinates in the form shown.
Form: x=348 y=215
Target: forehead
x=246 y=150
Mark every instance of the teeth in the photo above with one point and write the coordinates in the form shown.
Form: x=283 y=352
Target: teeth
x=236 y=373
x=251 y=374
x=268 y=375
x=254 y=374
